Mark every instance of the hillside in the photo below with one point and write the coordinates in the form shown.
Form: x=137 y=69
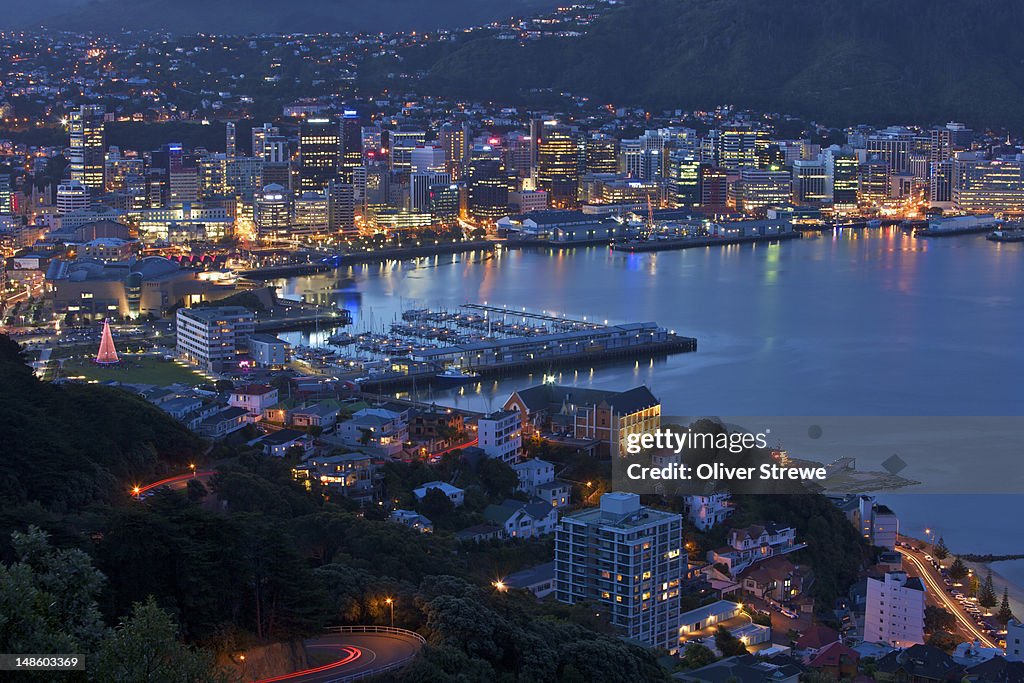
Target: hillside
x=841 y=61
x=270 y=16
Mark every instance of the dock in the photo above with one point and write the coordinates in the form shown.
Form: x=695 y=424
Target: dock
x=674 y=243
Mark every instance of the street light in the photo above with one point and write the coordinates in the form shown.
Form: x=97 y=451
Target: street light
x=391 y=603
x=192 y=466
x=136 y=491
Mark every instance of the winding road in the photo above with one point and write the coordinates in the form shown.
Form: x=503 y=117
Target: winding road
x=355 y=652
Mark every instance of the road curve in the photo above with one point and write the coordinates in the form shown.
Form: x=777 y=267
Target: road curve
x=349 y=656
x=939 y=592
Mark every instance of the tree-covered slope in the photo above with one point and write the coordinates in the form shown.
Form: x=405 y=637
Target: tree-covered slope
x=840 y=61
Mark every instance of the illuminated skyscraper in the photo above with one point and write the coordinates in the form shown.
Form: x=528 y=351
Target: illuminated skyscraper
x=230 y=146
x=995 y=185
x=319 y=153
x=454 y=140
x=809 y=181
x=401 y=143
x=87 y=148
x=272 y=214
x=259 y=137
x=487 y=190
x=72 y=196
x=684 y=179
x=737 y=147
x=557 y=169
x=874 y=182
x=351 y=143
x=601 y=154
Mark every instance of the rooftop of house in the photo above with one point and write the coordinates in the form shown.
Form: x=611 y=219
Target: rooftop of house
x=531 y=576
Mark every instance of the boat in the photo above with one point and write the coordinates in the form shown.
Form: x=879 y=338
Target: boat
x=1006 y=234
x=957 y=225
x=453 y=376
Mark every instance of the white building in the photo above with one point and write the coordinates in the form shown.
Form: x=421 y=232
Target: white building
x=210 y=337
x=532 y=473
x=522 y=520
x=453 y=493
x=707 y=511
x=630 y=561
x=500 y=435
x=895 y=610
x=255 y=398
x=72 y=196
x=753 y=544
x=413 y=520
x=1015 y=640
x=267 y=351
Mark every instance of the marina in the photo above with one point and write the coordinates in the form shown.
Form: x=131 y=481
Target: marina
x=473 y=341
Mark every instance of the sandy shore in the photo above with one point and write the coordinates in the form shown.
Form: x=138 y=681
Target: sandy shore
x=1016 y=592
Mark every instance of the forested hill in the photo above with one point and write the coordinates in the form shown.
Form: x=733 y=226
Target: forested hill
x=839 y=61
x=70 y=445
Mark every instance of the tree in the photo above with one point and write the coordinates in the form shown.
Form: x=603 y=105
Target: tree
x=946 y=642
x=728 y=644
x=497 y=477
x=144 y=647
x=1005 y=613
x=697 y=655
x=48 y=598
x=957 y=570
x=939 y=550
x=987 y=595
x=937 y=619
x=436 y=504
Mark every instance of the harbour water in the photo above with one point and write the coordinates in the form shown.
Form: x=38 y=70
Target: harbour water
x=856 y=323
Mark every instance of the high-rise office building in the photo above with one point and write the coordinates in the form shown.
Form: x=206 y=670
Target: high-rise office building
x=809 y=181
x=72 y=196
x=444 y=204
x=602 y=154
x=995 y=185
x=841 y=178
x=259 y=137
x=401 y=143
x=758 y=189
x=272 y=214
x=419 y=188
x=873 y=181
x=427 y=159
x=182 y=175
x=230 y=140
x=87 y=148
x=940 y=182
x=738 y=147
x=351 y=143
x=557 y=169
x=319 y=153
x=487 y=186
x=629 y=561
x=6 y=202
x=341 y=207
x=683 y=179
x=453 y=139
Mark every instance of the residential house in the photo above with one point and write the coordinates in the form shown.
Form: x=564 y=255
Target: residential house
x=836 y=661
x=223 y=422
x=707 y=511
x=456 y=495
x=744 y=668
x=436 y=428
x=554 y=492
x=753 y=544
x=255 y=398
x=377 y=430
x=321 y=414
x=919 y=664
x=813 y=640
x=281 y=442
x=351 y=474
x=532 y=473
x=267 y=351
x=479 y=533
x=413 y=520
x=776 y=579
x=522 y=520
x=539 y=580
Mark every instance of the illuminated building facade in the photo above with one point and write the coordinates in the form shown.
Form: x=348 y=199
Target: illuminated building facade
x=989 y=186
x=319 y=153
x=629 y=561
x=87 y=147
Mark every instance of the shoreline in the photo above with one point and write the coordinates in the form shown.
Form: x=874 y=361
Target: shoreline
x=999 y=581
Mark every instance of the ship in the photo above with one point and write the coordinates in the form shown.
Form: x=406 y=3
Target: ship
x=454 y=376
